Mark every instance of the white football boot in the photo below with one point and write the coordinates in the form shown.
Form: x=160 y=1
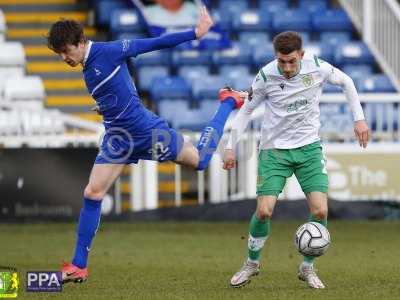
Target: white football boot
x=243 y=276
x=308 y=274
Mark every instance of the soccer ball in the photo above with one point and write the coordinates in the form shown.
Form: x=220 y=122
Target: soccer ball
x=312 y=239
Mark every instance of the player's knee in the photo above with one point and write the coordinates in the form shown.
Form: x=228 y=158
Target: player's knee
x=263 y=213
x=93 y=192
x=320 y=213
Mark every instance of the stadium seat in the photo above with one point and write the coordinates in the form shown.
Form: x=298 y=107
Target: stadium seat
x=357 y=71
x=3 y=26
x=254 y=39
x=191 y=57
x=305 y=36
x=335 y=38
x=193 y=73
x=147 y=74
x=321 y=50
x=262 y=56
x=214 y=41
x=252 y=20
x=125 y=21
x=353 y=53
x=9 y=123
x=208 y=87
x=234 y=73
x=243 y=83
x=223 y=18
x=170 y=87
x=129 y=36
x=237 y=54
x=155 y=58
x=330 y=88
x=172 y=109
x=12 y=56
x=273 y=6
x=105 y=8
x=28 y=88
x=331 y=20
x=376 y=83
x=313 y=6
x=234 y=7
x=291 y=19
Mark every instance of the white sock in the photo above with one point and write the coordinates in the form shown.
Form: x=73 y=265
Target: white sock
x=307 y=264
x=253 y=261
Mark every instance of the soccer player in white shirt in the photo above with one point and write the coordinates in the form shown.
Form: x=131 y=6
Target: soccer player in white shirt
x=290 y=88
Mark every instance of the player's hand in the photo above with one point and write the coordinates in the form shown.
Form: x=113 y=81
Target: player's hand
x=204 y=24
x=362 y=132
x=229 y=159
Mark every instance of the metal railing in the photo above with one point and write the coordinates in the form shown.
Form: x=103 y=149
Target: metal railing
x=379 y=23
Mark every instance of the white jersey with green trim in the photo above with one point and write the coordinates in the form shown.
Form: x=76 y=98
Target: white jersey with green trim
x=291 y=118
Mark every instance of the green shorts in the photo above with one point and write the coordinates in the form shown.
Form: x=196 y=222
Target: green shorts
x=307 y=163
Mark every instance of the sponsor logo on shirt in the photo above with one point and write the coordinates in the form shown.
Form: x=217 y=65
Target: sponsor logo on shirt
x=292 y=107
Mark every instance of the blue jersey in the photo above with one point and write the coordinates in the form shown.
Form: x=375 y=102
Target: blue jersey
x=111 y=86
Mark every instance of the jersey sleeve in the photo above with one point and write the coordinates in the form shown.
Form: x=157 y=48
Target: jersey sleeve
x=123 y=49
x=337 y=77
x=242 y=118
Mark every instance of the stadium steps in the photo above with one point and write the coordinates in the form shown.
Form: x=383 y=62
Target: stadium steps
x=28 y=21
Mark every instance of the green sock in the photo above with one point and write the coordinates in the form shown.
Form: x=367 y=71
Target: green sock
x=312 y=218
x=258 y=234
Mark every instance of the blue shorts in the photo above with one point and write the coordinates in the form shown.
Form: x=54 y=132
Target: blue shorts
x=120 y=146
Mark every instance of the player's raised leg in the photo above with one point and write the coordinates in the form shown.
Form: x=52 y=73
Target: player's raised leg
x=198 y=157
x=318 y=204
x=101 y=178
x=259 y=230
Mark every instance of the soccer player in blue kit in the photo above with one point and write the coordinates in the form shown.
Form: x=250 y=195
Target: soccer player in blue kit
x=131 y=131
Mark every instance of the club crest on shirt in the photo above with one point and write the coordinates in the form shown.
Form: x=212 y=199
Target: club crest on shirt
x=307 y=80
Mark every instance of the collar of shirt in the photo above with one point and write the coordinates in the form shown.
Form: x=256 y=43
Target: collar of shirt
x=87 y=52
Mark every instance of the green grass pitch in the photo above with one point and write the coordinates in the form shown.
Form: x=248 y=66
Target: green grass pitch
x=196 y=260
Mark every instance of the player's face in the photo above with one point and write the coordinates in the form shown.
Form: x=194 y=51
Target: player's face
x=73 y=55
x=289 y=64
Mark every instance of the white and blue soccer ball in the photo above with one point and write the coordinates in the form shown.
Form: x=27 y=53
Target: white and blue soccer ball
x=312 y=239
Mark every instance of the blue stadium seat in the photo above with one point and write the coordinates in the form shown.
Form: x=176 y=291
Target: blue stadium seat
x=262 y=56
x=173 y=109
x=147 y=74
x=291 y=19
x=125 y=21
x=357 y=71
x=208 y=87
x=252 y=20
x=233 y=6
x=215 y=41
x=222 y=18
x=104 y=9
x=193 y=73
x=191 y=57
x=321 y=50
x=237 y=54
x=313 y=6
x=170 y=87
x=273 y=6
x=129 y=36
x=234 y=72
x=305 y=36
x=353 y=53
x=334 y=38
x=330 y=88
x=254 y=39
x=243 y=83
x=155 y=58
x=208 y=107
x=376 y=83
x=331 y=20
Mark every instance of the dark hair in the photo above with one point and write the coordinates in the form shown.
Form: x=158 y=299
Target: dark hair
x=65 y=32
x=287 y=42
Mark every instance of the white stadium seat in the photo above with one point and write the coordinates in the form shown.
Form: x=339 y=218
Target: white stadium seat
x=29 y=88
x=12 y=54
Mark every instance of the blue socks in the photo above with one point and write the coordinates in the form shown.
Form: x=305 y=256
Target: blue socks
x=89 y=222
x=212 y=133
